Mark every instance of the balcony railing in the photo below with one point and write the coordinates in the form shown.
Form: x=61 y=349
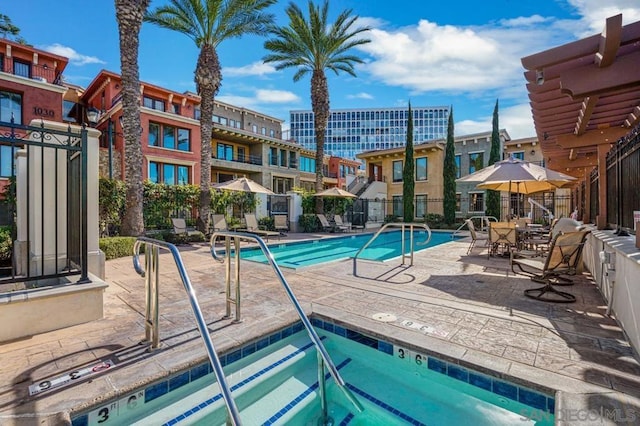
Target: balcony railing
x=245 y=159
x=33 y=71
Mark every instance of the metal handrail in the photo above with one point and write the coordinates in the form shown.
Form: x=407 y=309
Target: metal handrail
x=395 y=225
x=151 y=326
x=322 y=352
x=483 y=220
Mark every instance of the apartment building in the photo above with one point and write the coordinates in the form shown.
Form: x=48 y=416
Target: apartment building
x=353 y=131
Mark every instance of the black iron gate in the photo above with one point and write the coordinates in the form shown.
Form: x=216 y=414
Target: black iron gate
x=45 y=192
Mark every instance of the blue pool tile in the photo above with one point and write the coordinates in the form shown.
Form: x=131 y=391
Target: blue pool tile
x=505 y=389
x=346 y=420
x=437 y=365
x=262 y=343
x=551 y=405
x=352 y=335
x=248 y=350
x=316 y=322
x=385 y=347
x=234 y=356
x=532 y=399
x=299 y=326
x=80 y=421
x=458 y=373
x=155 y=391
x=328 y=326
x=223 y=360
x=179 y=380
x=480 y=381
x=275 y=337
x=340 y=331
x=287 y=332
x=199 y=371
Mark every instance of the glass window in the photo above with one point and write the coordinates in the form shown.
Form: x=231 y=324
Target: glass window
x=69 y=111
x=518 y=155
x=7 y=163
x=241 y=154
x=458 y=202
x=458 y=167
x=292 y=159
x=169 y=171
x=154 y=171
x=476 y=202
x=183 y=175
x=421 y=206
x=196 y=113
x=184 y=139
x=224 y=152
x=476 y=161
x=397 y=171
x=154 y=134
x=421 y=170
x=283 y=158
x=398 y=207
x=175 y=108
x=254 y=128
x=273 y=156
x=153 y=103
x=272 y=133
x=10 y=105
x=22 y=68
x=169 y=137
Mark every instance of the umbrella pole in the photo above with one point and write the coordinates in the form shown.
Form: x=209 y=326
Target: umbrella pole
x=509 y=204
x=518 y=199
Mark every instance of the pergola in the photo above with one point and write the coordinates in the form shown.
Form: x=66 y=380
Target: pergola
x=585 y=95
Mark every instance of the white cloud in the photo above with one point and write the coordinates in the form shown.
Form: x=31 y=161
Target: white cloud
x=595 y=12
x=361 y=95
x=276 y=96
x=254 y=69
x=516 y=120
x=75 y=58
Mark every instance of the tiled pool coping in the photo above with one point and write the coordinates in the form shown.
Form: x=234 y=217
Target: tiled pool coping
x=534 y=399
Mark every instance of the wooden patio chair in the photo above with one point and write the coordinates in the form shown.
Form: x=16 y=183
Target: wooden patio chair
x=564 y=258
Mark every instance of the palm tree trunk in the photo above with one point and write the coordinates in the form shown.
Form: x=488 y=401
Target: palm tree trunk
x=129 y=14
x=207 y=78
x=320 y=107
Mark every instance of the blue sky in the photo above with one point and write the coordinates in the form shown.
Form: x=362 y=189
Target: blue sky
x=433 y=53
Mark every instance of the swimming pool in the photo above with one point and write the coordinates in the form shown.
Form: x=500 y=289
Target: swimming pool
x=274 y=382
x=307 y=253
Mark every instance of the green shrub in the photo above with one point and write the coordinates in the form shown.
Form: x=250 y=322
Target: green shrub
x=389 y=218
x=266 y=223
x=6 y=243
x=115 y=247
x=309 y=223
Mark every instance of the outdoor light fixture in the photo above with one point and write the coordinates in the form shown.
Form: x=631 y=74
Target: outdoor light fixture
x=539 y=77
x=533 y=152
x=93 y=115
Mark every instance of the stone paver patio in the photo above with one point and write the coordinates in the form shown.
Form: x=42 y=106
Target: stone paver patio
x=472 y=307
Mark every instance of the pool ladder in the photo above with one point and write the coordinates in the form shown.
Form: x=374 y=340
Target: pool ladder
x=403 y=226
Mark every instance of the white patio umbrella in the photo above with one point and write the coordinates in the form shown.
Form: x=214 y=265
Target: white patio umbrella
x=243 y=184
x=526 y=177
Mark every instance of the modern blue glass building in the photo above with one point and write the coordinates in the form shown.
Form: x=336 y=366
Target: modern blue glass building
x=352 y=131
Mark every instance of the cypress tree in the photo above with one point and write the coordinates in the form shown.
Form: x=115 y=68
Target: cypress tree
x=408 y=172
x=493 y=197
x=449 y=175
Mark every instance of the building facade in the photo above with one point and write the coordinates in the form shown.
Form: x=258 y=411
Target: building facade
x=353 y=131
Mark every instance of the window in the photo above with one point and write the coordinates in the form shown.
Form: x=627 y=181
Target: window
x=224 y=152
x=476 y=201
x=22 y=69
x=518 y=155
x=476 y=161
x=458 y=167
x=421 y=206
x=7 y=163
x=273 y=156
x=397 y=171
x=69 y=111
x=10 y=106
x=421 y=170
x=241 y=154
x=196 y=113
x=458 y=202
x=398 y=207
x=165 y=136
x=307 y=164
x=272 y=133
x=169 y=174
x=263 y=131
x=283 y=158
x=175 y=108
x=282 y=185
x=292 y=159
x=254 y=128
x=153 y=103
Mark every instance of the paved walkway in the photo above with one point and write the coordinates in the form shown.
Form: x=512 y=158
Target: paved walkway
x=473 y=308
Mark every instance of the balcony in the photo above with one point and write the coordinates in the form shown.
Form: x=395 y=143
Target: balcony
x=244 y=159
x=27 y=70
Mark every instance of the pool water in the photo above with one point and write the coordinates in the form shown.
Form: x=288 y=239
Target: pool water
x=278 y=385
x=307 y=253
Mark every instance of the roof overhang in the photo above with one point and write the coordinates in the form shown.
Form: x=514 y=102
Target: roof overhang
x=585 y=94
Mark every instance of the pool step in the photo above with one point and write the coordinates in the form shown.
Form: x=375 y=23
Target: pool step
x=251 y=378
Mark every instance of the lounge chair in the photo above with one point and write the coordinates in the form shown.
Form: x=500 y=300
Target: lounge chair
x=564 y=258
x=475 y=235
x=280 y=223
x=218 y=223
x=324 y=223
x=180 y=228
x=252 y=226
x=340 y=225
x=502 y=234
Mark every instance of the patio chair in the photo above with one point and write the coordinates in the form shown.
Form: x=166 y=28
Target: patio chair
x=324 y=223
x=280 y=223
x=564 y=258
x=502 y=234
x=340 y=225
x=252 y=226
x=475 y=235
x=218 y=223
x=180 y=228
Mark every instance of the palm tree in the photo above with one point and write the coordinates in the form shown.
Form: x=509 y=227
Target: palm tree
x=208 y=23
x=312 y=46
x=129 y=14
